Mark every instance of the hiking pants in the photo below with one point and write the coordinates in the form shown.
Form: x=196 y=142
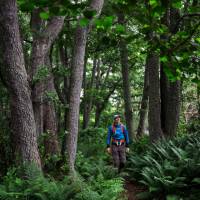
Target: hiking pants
x=119 y=155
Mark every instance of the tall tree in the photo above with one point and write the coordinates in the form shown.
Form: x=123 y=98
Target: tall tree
x=88 y=94
x=170 y=91
x=49 y=115
x=144 y=103
x=43 y=38
x=155 y=130
x=23 y=124
x=126 y=81
x=76 y=82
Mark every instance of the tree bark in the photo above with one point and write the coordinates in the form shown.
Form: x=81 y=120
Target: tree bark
x=144 y=103
x=23 y=124
x=49 y=116
x=170 y=91
x=88 y=96
x=155 y=130
x=76 y=83
x=126 y=81
x=42 y=41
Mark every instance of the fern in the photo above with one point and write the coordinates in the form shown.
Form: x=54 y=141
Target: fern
x=169 y=167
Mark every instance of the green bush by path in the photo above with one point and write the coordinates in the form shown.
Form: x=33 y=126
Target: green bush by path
x=170 y=169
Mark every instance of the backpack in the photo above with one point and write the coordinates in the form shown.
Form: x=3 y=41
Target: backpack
x=114 y=129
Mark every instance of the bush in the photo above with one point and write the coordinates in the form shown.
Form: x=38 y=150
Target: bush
x=194 y=126
x=169 y=169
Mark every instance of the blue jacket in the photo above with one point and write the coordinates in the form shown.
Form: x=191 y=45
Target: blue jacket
x=118 y=135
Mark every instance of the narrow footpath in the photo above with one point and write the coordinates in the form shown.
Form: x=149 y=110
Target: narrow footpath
x=132 y=190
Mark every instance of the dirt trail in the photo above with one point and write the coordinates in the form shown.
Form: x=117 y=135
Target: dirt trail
x=132 y=190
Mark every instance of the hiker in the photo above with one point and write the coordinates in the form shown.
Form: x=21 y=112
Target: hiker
x=119 y=141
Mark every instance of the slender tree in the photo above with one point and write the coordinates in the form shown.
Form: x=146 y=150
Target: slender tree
x=76 y=83
x=126 y=81
x=144 y=103
x=88 y=96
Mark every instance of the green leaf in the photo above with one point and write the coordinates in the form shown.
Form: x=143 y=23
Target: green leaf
x=107 y=22
x=26 y=7
x=164 y=59
x=172 y=197
x=84 y=22
x=177 y=4
x=44 y=15
x=153 y=3
x=198 y=39
x=119 y=28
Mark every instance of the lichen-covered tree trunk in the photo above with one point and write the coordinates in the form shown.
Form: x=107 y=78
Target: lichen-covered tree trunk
x=23 y=124
x=144 y=103
x=43 y=38
x=126 y=81
x=155 y=130
x=76 y=84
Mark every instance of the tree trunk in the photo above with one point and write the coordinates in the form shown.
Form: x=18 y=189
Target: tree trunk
x=42 y=41
x=144 y=103
x=88 y=96
x=23 y=124
x=155 y=130
x=75 y=89
x=170 y=91
x=49 y=116
x=126 y=85
x=76 y=83
x=65 y=95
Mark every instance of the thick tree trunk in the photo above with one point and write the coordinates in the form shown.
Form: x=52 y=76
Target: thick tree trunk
x=76 y=83
x=170 y=91
x=126 y=82
x=144 y=103
x=23 y=124
x=42 y=41
x=155 y=130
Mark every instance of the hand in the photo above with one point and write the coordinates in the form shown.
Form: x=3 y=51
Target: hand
x=127 y=150
x=109 y=150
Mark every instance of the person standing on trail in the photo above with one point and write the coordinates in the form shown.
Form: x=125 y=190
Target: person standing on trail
x=119 y=141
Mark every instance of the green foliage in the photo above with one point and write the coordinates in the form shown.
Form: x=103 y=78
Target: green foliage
x=169 y=168
x=34 y=186
x=37 y=187
x=193 y=126
x=41 y=74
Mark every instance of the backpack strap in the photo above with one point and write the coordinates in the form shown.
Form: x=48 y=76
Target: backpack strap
x=114 y=129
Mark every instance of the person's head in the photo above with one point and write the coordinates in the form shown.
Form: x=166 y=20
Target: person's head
x=117 y=119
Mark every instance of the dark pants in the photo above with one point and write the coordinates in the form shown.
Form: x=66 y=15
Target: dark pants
x=119 y=156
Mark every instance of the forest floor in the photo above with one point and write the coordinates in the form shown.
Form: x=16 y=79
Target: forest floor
x=132 y=189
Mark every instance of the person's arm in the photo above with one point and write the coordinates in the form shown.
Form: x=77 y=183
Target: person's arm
x=108 y=137
x=126 y=136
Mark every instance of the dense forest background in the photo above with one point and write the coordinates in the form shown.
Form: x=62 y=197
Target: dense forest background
x=66 y=67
